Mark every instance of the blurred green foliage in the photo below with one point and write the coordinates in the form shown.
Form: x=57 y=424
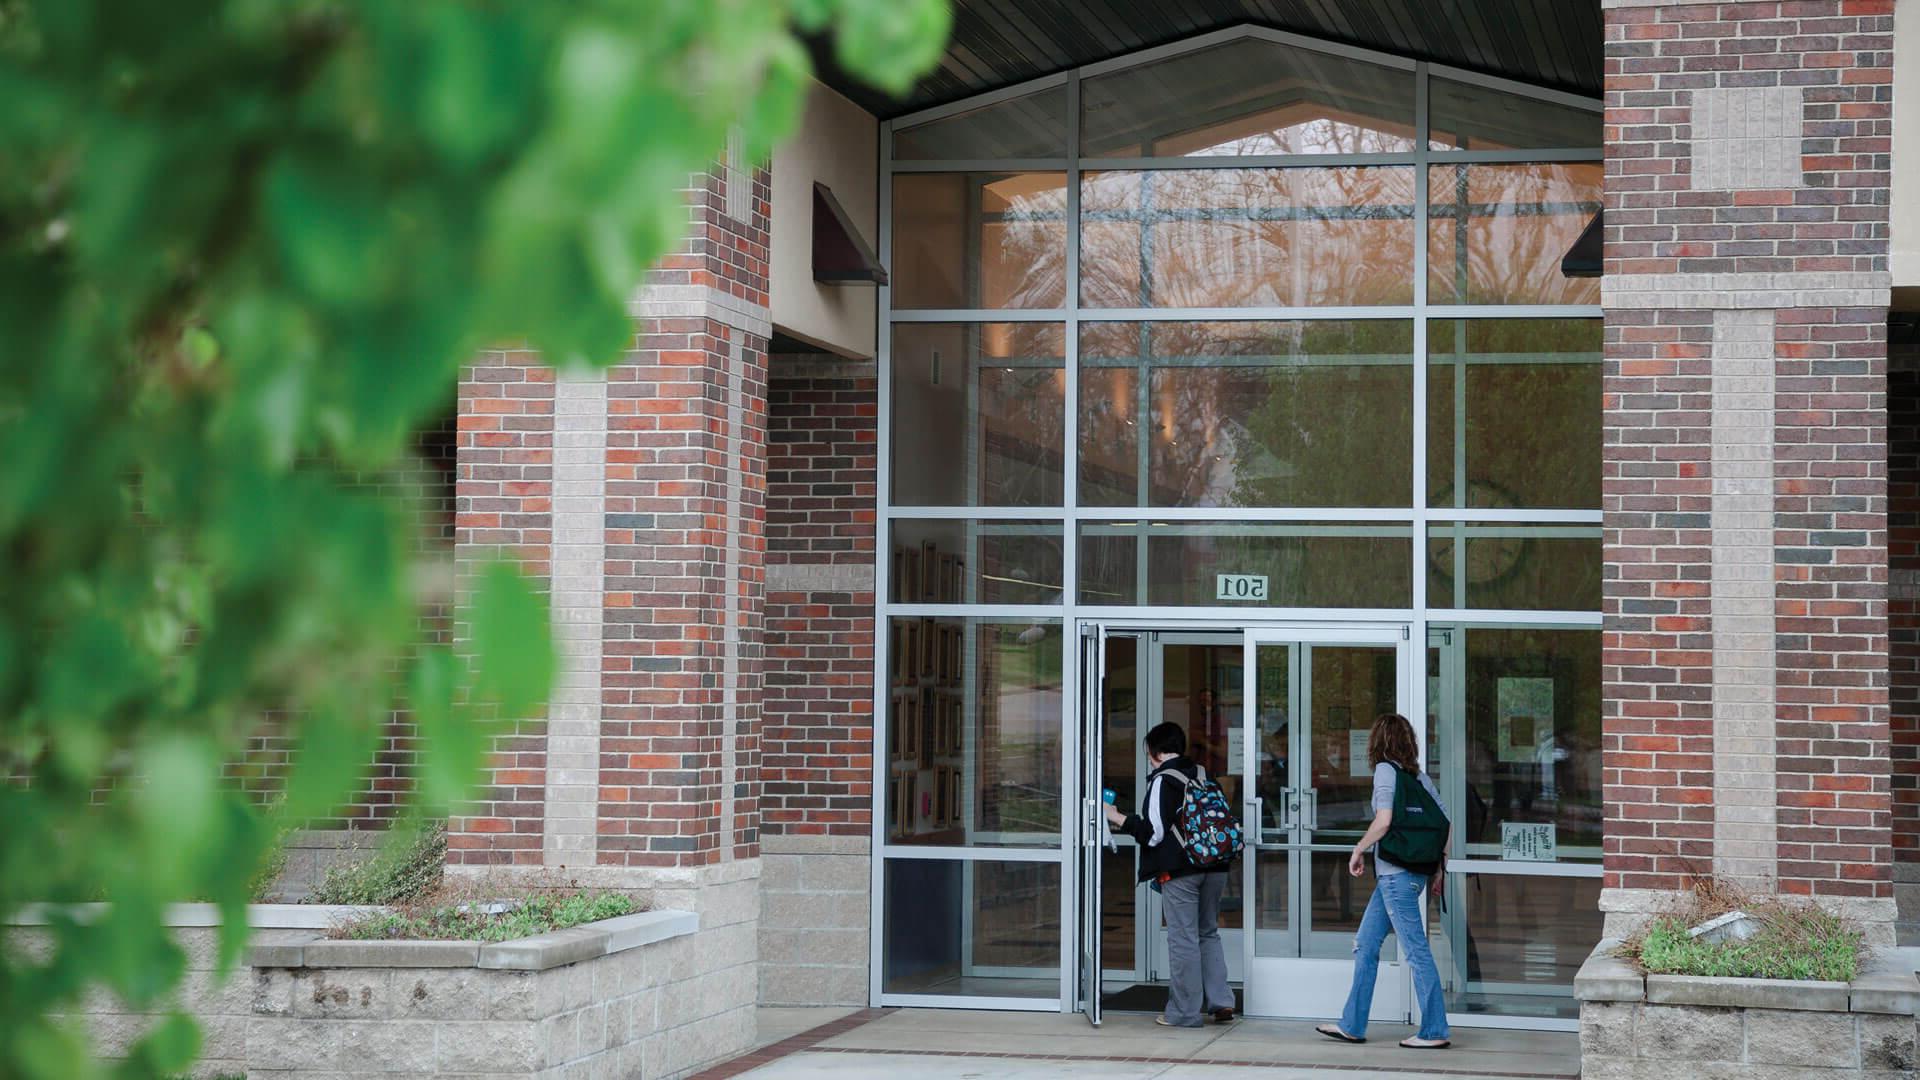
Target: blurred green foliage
x=245 y=246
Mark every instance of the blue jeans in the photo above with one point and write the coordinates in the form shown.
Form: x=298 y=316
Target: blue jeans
x=1395 y=905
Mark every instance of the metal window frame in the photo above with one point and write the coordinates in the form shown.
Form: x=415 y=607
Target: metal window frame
x=1069 y=612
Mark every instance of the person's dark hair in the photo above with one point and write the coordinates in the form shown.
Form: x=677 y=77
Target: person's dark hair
x=1167 y=738
x=1392 y=741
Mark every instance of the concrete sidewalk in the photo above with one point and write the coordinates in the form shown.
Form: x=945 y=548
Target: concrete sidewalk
x=938 y=1043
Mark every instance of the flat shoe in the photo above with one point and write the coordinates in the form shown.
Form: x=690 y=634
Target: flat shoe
x=1333 y=1032
x=1426 y=1044
x=1223 y=1016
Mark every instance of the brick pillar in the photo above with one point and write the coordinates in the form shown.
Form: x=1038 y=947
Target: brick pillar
x=1745 y=490
x=685 y=547
x=818 y=763
x=503 y=508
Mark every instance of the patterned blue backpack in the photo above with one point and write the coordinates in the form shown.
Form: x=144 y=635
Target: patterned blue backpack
x=1204 y=826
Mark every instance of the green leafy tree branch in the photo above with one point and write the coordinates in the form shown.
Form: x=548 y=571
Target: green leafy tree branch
x=245 y=246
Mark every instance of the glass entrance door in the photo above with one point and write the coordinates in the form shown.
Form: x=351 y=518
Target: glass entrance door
x=1312 y=697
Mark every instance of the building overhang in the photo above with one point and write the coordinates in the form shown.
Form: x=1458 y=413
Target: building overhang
x=999 y=43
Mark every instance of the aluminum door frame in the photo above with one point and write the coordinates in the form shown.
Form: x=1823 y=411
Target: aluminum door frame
x=1296 y=986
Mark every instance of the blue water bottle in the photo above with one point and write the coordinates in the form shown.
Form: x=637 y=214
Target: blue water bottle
x=1107 y=796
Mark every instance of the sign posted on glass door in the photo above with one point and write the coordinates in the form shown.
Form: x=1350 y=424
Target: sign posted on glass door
x=1240 y=586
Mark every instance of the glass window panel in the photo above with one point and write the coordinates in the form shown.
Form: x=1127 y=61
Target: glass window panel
x=1121 y=743
x=1532 y=739
x=1467 y=117
x=979 y=240
x=1529 y=392
x=1247 y=237
x=973 y=732
x=976 y=562
x=1514 y=567
x=1033 y=126
x=1510 y=944
x=1248 y=97
x=1498 y=232
x=971 y=928
x=1365 y=565
x=1247 y=414
x=979 y=414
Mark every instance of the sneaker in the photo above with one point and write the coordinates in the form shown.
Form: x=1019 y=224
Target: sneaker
x=1223 y=1015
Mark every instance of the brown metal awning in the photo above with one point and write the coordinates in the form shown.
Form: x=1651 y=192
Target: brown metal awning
x=1583 y=258
x=840 y=257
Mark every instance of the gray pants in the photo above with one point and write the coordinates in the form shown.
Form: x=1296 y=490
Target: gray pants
x=1192 y=908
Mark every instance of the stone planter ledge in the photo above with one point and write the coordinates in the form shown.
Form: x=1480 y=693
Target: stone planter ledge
x=540 y=952
x=1887 y=985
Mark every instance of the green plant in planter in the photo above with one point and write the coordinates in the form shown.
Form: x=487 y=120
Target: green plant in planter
x=1794 y=942
x=408 y=865
x=537 y=914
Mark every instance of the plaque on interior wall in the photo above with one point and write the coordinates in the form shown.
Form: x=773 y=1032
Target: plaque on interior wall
x=909 y=708
x=956 y=655
x=929 y=572
x=906 y=651
x=940 y=812
x=1525 y=718
x=904 y=805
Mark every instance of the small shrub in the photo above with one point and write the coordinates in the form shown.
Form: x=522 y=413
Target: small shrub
x=469 y=921
x=407 y=866
x=1797 y=940
x=260 y=886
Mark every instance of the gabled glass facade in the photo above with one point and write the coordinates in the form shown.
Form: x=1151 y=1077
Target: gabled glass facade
x=1250 y=306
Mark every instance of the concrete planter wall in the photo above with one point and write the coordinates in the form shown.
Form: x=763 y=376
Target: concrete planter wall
x=1643 y=1027
x=630 y=996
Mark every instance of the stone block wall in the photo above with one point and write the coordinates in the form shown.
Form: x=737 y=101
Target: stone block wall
x=1621 y=1040
x=1744 y=497
x=817 y=895
x=635 y=996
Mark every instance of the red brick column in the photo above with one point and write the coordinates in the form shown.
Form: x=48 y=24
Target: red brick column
x=503 y=506
x=818 y=760
x=685 y=548
x=1745 y=494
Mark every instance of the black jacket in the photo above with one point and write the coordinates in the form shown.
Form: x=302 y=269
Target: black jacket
x=1157 y=810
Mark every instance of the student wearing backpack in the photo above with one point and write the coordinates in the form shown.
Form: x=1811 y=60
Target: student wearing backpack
x=1186 y=850
x=1410 y=828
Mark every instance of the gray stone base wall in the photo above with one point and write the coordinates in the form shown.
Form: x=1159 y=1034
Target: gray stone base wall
x=563 y=1006
x=711 y=1017
x=223 y=1007
x=814 y=928
x=1621 y=1040
x=1906 y=900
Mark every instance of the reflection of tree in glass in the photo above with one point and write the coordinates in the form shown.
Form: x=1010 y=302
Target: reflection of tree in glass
x=1532 y=424
x=1248 y=237
x=1516 y=221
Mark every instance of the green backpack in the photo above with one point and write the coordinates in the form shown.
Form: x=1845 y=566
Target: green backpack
x=1417 y=840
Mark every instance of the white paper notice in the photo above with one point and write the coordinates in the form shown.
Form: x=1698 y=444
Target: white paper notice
x=1527 y=841
x=1236 y=746
x=1357 y=752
